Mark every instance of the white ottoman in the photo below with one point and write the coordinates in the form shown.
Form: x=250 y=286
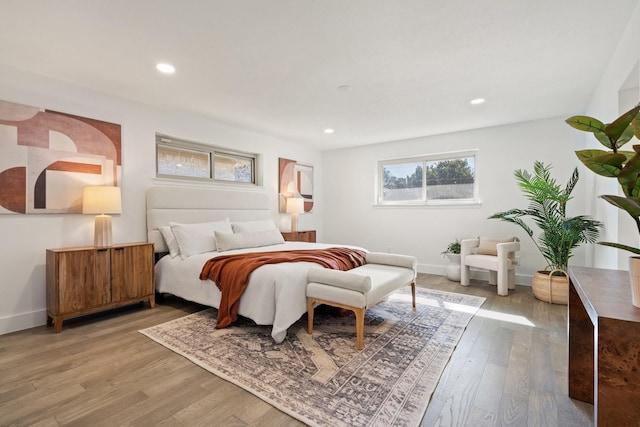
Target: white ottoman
x=361 y=287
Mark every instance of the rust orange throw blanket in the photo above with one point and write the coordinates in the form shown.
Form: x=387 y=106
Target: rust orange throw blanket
x=231 y=272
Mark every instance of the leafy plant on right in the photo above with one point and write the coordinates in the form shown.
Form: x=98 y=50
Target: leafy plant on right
x=615 y=163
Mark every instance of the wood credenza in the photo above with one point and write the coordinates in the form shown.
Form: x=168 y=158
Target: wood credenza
x=88 y=279
x=300 y=236
x=604 y=345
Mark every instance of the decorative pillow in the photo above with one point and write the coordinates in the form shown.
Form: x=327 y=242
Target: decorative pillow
x=251 y=226
x=198 y=238
x=340 y=279
x=254 y=239
x=170 y=240
x=396 y=260
x=488 y=246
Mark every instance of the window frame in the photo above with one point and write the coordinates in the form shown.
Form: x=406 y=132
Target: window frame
x=211 y=151
x=424 y=159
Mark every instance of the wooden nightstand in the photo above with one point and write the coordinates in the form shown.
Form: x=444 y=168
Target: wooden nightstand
x=300 y=236
x=88 y=279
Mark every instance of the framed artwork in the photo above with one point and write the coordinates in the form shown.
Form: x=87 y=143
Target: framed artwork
x=48 y=157
x=295 y=180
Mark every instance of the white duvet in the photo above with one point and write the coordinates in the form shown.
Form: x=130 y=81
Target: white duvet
x=275 y=295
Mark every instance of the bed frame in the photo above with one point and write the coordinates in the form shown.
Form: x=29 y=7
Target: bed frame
x=194 y=204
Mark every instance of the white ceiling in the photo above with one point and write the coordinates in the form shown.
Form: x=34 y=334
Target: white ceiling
x=275 y=65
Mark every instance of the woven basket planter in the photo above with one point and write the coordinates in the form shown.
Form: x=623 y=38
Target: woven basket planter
x=549 y=288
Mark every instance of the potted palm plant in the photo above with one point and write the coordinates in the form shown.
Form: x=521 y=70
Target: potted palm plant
x=622 y=165
x=560 y=234
x=453 y=254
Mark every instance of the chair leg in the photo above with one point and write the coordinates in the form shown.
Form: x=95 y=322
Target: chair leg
x=503 y=279
x=493 y=277
x=512 y=279
x=413 y=294
x=464 y=275
x=310 y=303
x=359 y=312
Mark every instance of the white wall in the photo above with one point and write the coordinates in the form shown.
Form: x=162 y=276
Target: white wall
x=25 y=238
x=425 y=231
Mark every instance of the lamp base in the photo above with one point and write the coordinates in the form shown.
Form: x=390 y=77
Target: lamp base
x=102 y=234
x=294 y=222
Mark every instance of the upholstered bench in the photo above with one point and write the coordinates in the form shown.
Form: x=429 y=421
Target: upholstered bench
x=361 y=287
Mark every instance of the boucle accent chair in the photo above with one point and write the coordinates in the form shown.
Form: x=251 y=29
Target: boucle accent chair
x=361 y=287
x=496 y=255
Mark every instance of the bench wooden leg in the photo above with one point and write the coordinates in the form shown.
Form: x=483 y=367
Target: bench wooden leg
x=413 y=294
x=310 y=303
x=359 y=327
x=359 y=312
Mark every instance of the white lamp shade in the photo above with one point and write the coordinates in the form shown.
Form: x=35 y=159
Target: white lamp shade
x=101 y=200
x=295 y=205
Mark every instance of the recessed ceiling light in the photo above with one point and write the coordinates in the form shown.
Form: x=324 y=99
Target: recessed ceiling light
x=329 y=130
x=477 y=101
x=166 y=68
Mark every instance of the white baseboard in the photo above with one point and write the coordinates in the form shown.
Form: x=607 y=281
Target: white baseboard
x=18 y=322
x=441 y=270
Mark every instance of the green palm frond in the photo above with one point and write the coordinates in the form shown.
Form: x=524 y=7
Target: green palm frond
x=572 y=182
x=514 y=219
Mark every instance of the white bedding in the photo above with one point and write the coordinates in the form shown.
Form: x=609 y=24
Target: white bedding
x=275 y=295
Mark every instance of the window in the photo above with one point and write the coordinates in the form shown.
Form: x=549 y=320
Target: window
x=448 y=178
x=193 y=161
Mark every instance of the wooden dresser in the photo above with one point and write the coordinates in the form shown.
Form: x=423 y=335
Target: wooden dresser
x=604 y=345
x=300 y=236
x=88 y=279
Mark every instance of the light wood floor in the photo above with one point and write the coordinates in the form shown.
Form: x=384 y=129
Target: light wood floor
x=509 y=369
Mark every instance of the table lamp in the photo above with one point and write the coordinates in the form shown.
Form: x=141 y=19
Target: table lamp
x=102 y=200
x=295 y=206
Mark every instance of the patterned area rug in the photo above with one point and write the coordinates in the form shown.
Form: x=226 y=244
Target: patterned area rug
x=321 y=379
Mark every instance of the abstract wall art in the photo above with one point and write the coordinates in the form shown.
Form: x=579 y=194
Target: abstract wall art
x=295 y=180
x=48 y=157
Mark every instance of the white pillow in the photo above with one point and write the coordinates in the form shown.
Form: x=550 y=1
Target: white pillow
x=198 y=238
x=251 y=226
x=170 y=240
x=254 y=239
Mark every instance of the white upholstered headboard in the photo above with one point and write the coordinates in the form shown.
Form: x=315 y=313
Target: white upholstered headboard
x=194 y=204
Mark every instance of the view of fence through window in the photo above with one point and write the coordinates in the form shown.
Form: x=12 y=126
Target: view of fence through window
x=232 y=168
x=182 y=162
x=191 y=160
x=446 y=179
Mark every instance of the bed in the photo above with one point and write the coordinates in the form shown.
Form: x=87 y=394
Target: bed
x=276 y=293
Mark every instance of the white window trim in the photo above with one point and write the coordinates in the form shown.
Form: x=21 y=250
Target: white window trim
x=451 y=155
x=211 y=150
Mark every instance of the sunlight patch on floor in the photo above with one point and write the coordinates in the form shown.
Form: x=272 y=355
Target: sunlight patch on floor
x=489 y=314
x=504 y=317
